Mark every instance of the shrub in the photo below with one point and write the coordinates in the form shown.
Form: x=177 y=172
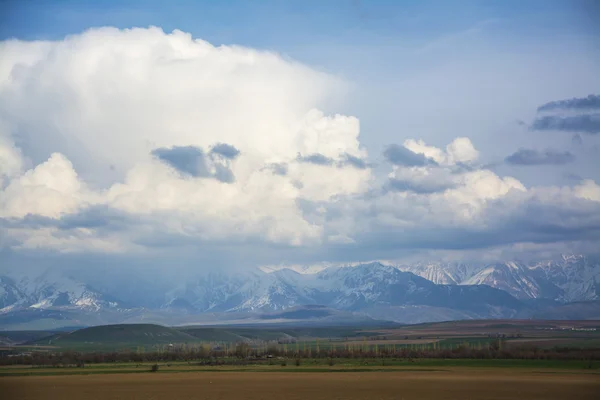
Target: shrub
x=297 y=362
x=154 y=368
x=284 y=363
x=331 y=362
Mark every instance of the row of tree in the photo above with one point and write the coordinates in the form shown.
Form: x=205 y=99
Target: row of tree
x=245 y=353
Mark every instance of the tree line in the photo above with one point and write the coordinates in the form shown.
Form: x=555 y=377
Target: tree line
x=243 y=353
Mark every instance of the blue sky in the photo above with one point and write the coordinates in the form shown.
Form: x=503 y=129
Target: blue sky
x=421 y=75
x=270 y=23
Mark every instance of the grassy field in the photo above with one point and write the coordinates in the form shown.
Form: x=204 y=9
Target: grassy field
x=368 y=377
x=424 y=384
x=445 y=335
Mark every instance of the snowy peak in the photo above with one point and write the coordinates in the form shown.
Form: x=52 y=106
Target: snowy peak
x=511 y=277
x=51 y=290
x=343 y=288
x=440 y=273
x=242 y=291
x=465 y=290
x=568 y=278
x=577 y=276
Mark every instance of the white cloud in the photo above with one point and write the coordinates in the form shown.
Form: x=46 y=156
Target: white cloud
x=589 y=190
x=88 y=111
x=105 y=99
x=78 y=240
x=419 y=147
x=460 y=150
x=10 y=161
x=51 y=189
x=108 y=97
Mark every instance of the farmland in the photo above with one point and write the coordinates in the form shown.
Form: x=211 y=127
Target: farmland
x=289 y=339
x=466 y=359
x=446 y=383
x=241 y=346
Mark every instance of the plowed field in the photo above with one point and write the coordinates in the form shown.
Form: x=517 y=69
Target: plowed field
x=419 y=385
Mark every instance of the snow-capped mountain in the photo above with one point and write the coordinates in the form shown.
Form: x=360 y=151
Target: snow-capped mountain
x=417 y=293
x=50 y=289
x=240 y=291
x=566 y=279
x=342 y=288
x=577 y=276
x=441 y=273
x=511 y=277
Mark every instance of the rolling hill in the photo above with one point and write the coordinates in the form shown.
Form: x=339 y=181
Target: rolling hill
x=116 y=337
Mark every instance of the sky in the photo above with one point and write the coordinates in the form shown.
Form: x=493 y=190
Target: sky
x=204 y=134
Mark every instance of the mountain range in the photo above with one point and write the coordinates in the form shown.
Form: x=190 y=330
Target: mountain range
x=566 y=279
x=422 y=292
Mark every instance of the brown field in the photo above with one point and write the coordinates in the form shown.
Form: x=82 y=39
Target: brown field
x=539 y=341
x=483 y=327
x=423 y=385
x=390 y=341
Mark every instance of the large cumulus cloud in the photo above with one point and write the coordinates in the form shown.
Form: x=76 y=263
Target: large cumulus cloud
x=138 y=119
x=135 y=140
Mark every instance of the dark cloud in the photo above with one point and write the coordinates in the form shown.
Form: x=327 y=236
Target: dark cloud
x=345 y=160
x=315 y=158
x=537 y=221
x=354 y=161
x=577 y=139
x=223 y=174
x=585 y=123
x=535 y=157
x=189 y=160
x=590 y=102
x=420 y=187
x=278 y=168
x=225 y=150
x=192 y=161
x=29 y=221
x=93 y=217
x=97 y=217
x=400 y=155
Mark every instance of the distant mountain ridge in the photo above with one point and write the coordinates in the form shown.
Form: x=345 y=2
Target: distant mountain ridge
x=51 y=289
x=413 y=293
x=341 y=288
x=566 y=279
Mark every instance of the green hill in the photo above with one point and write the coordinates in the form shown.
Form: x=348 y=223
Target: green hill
x=151 y=337
x=215 y=334
x=238 y=334
x=115 y=337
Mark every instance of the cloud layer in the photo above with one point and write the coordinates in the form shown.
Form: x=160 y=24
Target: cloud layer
x=535 y=157
x=586 y=121
x=591 y=102
x=133 y=141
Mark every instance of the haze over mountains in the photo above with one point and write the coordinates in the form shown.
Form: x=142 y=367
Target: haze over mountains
x=567 y=287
